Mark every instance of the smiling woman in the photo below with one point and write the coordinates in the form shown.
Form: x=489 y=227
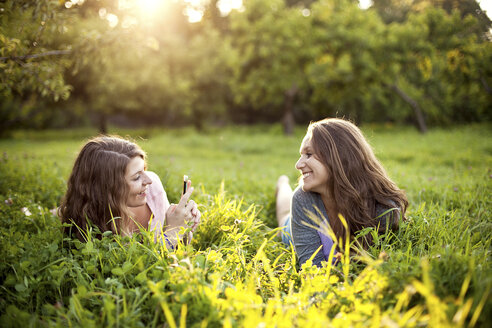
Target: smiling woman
x=340 y=176
x=110 y=187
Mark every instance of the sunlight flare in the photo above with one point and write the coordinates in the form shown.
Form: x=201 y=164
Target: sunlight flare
x=365 y=4
x=226 y=6
x=148 y=6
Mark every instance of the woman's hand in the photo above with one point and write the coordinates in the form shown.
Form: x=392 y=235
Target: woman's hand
x=180 y=215
x=196 y=215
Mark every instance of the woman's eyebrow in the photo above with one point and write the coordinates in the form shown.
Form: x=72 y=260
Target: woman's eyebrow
x=140 y=171
x=305 y=149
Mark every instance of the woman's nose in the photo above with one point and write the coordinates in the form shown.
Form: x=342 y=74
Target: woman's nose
x=300 y=163
x=147 y=180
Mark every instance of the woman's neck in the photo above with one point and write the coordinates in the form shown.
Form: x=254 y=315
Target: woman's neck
x=140 y=215
x=329 y=203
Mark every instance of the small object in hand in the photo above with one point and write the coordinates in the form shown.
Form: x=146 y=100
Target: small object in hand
x=185 y=182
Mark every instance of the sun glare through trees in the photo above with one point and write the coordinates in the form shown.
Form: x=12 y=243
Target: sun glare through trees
x=148 y=6
x=193 y=9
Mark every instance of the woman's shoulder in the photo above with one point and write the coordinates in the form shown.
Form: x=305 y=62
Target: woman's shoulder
x=390 y=211
x=390 y=206
x=152 y=175
x=301 y=195
x=156 y=185
x=307 y=207
x=306 y=199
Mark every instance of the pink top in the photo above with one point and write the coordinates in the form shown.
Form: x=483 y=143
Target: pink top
x=158 y=204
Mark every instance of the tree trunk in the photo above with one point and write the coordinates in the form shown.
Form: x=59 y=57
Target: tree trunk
x=28 y=105
x=486 y=85
x=416 y=108
x=288 y=120
x=102 y=123
x=198 y=119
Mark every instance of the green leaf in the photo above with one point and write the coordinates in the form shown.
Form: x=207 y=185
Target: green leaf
x=81 y=290
x=117 y=271
x=20 y=287
x=141 y=277
x=127 y=266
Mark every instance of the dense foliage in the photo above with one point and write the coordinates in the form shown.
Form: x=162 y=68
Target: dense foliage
x=421 y=61
x=435 y=271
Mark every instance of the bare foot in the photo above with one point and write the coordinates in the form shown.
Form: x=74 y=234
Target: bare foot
x=283 y=197
x=283 y=179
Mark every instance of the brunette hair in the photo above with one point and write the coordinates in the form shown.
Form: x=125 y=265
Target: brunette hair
x=97 y=190
x=358 y=180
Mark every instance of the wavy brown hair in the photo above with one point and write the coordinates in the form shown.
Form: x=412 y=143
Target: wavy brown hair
x=358 y=180
x=97 y=190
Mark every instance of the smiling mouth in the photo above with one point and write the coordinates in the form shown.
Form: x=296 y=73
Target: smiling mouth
x=306 y=174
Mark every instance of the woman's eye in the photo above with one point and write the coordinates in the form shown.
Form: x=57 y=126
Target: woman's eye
x=308 y=155
x=137 y=178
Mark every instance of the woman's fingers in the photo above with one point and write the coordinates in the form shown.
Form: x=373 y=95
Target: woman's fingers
x=191 y=206
x=197 y=216
x=184 y=199
x=176 y=216
x=172 y=208
x=188 y=186
x=185 y=213
x=195 y=219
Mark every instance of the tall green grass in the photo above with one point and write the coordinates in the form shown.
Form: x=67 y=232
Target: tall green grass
x=434 y=271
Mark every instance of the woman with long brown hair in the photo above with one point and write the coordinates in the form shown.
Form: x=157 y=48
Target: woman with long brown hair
x=340 y=175
x=111 y=188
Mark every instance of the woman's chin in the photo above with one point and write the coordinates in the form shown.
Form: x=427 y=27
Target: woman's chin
x=305 y=188
x=138 y=202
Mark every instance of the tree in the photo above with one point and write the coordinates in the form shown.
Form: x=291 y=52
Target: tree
x=266 y=63
x=453 y=75
x=401 y=71
x=211 y=63
x=399 y=11
x=130 y=70
x=349 y=70
x=273 y=44
x=32 y=59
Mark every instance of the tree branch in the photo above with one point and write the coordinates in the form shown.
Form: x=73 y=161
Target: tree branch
x=44 y=54
x=416 y=108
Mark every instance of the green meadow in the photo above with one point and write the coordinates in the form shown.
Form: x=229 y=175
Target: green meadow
x=434 y=271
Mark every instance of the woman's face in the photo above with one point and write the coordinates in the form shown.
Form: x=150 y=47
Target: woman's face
x=315 y=175
x=137 y=182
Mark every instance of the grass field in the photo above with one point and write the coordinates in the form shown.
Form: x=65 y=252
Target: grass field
x=435 y=271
